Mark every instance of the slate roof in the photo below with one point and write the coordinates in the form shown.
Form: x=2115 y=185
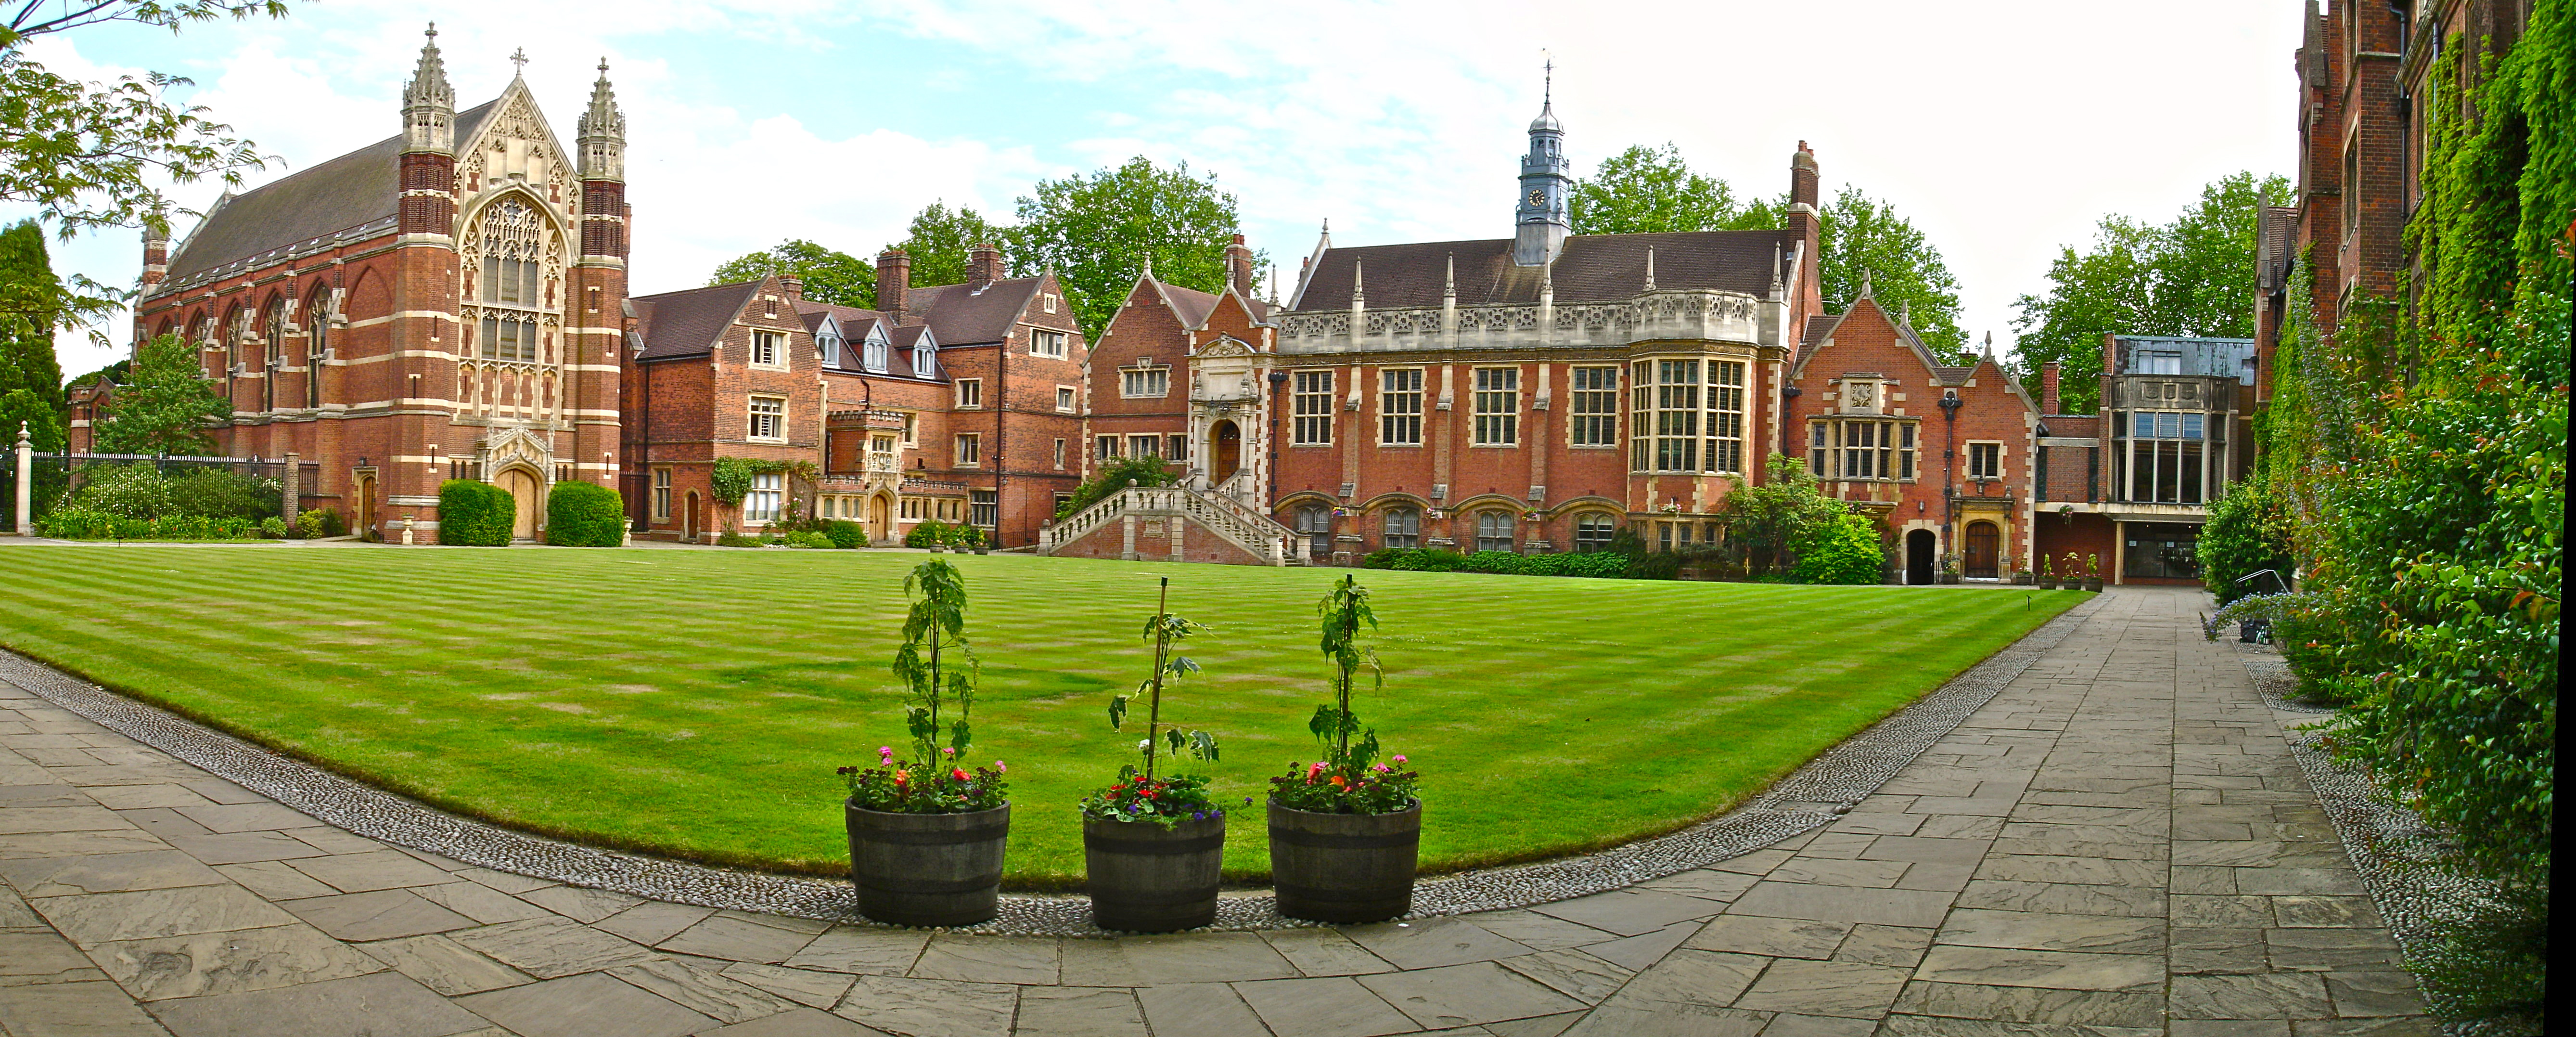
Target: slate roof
x=350 y=191
x=965 y=315
x=855 y=325
x=1593 y=267
x=1192 y=306
x=688 y=322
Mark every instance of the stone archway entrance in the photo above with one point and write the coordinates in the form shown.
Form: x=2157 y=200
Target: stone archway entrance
x=528 y=494
x=880 y=519
x=1920 y=547
x=1225 y=450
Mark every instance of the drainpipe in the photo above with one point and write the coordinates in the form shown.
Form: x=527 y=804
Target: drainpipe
x=1950 y=403
x=1278 y=384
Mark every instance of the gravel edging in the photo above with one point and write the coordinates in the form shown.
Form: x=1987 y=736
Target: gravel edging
x=1807 y=799
x=2397 y=854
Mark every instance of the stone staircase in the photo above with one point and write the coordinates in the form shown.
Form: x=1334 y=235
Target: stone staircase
x=1149 y=523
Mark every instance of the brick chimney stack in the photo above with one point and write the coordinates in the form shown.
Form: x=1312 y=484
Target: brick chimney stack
x=2048 y=387
x=793 y=285
x=1803 y=197
x=984 y=264
x=1238 y=267
x=156 y=252
x=894 y=278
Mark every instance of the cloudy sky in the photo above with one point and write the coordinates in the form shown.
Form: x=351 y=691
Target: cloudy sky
x=2003 y=129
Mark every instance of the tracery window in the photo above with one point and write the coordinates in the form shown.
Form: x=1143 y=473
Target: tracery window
x=272 y=353
x=317 y=345
x=512 y=241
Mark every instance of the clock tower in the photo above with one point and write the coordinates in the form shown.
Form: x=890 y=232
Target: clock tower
x=1546 y=178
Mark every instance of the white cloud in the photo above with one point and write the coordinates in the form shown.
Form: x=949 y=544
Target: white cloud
x=2003 y=129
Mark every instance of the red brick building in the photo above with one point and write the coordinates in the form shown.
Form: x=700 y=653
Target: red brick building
x=954 y=403
x=445 y=303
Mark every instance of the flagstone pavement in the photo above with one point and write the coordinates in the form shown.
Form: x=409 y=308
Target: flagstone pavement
x=2118 y=844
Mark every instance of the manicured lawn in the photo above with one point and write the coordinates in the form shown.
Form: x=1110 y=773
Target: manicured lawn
x=694 y=703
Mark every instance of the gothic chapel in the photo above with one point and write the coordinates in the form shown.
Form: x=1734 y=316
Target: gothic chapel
x=444 y=303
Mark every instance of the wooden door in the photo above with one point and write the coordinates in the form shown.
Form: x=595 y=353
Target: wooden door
x=689 y=520
x=880 y=519
x=1226 y=451
x=366 y=504
x=1983 y=541
x=523 y=491
x=1919 y=549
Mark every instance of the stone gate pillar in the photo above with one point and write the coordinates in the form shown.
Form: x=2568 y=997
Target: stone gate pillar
x=26 y=499
x=290 y=493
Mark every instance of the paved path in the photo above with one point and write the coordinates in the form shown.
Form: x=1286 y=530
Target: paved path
x=2118 y=844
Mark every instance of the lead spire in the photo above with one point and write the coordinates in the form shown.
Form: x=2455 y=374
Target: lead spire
x=429 y=104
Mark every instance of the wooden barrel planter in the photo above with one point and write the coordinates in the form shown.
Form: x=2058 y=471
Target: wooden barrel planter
x=1344 y=867
x=928 y=869
x=1145 y=878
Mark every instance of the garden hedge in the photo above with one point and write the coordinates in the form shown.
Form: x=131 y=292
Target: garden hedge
x=1598 y=564
x=474 y=513
x=845 y=533
x=584 y=514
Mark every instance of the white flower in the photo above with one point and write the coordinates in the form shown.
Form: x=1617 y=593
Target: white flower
x=1144 y=743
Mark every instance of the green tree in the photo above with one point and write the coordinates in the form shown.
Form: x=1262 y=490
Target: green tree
x=44 y=422
x=1097 y=232
x=91 y=155
x=1771 y=520
x=166 y=408
x=27 y=281
x=833 y=277
x=1862 y=240
x=1647 y=190
x=940 y=238
x=2191 y=277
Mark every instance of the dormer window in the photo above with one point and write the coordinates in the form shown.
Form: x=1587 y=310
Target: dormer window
x=831 y=350
x=925 y=357
x=874 y=355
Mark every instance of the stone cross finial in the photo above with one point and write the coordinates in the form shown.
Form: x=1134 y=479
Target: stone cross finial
x=519 y=57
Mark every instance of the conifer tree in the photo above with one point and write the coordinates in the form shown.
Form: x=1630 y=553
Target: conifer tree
x=29 y=305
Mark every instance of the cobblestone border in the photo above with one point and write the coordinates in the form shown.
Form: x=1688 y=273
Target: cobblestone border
x=2396 y=853
x=1809 y=798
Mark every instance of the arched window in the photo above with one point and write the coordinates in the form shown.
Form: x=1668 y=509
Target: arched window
x=511 y=237
x=317 y=344
x=1494 y=531
x=1593 y=532
x=925 y=357
x=1315 y=524
x=1403 y=527
x=272 y=349
x=874 y=356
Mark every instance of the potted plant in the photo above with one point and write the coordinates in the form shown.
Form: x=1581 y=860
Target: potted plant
x=2072 y=577
x=926 y=833
x=2093 y=572
x=1949 y=568
x=1345 y=830
x=2022 y=577
x=1153 y=842
x=2047 y=574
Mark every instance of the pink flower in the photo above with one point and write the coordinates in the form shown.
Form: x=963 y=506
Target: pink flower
x=1318 y=768
x=885 y=753
x=1399 y=757
x=1001 y=768
x=948 y=752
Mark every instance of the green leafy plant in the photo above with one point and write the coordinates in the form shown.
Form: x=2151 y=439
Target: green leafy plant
x=1144 y=794
x=473 y=513
x=845 y=533
x=1114 y=476
x=729 y=479
x=1846 y=552
x=736 y=538
x=273 y=527
x=585 y=514
x=938 y=669
x=1348 y=780
x=810 y=540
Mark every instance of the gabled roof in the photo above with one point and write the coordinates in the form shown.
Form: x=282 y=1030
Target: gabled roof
x=857 y=326
x=688 y=322
x=969 y=315
x=350 y=191
x=1593 y=267
x=1193 y=306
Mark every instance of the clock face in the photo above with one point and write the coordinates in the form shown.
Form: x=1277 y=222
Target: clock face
x=1538 y=196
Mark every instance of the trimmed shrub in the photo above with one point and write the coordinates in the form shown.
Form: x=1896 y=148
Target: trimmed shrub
x=275 y=528
x=74 y=523
x=730 y=538
x=584 y=514
x=1597 y=564
x=930 y=533
x=845 y=533
x=473 y=513
x=810 y=540
x=1846 y=552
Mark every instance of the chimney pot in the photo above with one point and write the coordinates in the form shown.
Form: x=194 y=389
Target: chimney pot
x=1238 y=267
x=793 y=285
x=894 y=280
x=984 y=264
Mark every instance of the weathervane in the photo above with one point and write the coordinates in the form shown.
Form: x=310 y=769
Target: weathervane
x=1547 y=88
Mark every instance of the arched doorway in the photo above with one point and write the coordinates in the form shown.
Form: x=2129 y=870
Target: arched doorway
x=366 y=494
x=1983 y=540
x=525 y=493
x=1920 y=547
x=689 y=520
x=880 y=519
x=1225 y=451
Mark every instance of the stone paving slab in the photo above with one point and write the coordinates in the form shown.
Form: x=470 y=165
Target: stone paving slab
x=2116 y=843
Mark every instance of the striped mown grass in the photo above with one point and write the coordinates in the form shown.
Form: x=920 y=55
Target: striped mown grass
x=693 y=704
